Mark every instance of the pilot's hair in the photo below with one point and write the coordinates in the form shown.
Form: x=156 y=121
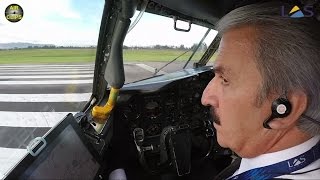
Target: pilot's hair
x=287 y=53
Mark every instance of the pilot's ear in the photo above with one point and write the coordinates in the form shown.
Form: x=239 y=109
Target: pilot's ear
x=299 y=101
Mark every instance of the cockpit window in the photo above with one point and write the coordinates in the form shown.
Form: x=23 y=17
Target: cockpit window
x=46 y=69
x=153 y=43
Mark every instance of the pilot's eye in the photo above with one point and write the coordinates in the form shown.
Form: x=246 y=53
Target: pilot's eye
x=224 y=80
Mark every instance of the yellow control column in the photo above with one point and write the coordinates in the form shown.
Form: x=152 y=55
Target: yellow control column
x=100 y=114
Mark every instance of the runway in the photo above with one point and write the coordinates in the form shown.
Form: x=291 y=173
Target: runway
x=34 y=98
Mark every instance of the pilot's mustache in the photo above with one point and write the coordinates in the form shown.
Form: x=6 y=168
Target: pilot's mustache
x=214 y=116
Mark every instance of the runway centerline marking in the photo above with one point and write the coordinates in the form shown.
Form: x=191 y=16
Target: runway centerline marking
x=46 y=82
x=9 y=158
x=67 y=97
x=44 y=73
x=31 y=119
x=47 y=77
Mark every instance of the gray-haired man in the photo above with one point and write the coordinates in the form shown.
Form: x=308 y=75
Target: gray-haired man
x=265 y=95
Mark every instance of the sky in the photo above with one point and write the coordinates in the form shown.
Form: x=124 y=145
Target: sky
x=77 y=22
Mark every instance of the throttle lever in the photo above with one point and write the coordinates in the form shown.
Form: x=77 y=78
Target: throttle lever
x=138 y=135
x=163 y=146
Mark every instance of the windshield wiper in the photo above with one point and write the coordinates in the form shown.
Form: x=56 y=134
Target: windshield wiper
x=195 y=50
x=193 y=53
x=158 y=70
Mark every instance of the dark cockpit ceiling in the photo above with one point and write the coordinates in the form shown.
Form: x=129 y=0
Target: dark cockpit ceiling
x=203 y=12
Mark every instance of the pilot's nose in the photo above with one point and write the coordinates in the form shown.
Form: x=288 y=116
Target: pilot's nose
x=209 y=95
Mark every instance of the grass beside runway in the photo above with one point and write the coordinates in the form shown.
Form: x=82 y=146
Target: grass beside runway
x=159 y=55
x=49 y=56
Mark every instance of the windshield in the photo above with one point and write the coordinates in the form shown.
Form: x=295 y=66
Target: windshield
x=153 y=43
x=46 y=69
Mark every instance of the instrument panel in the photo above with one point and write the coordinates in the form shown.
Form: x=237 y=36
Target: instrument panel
x=177 y=103
x=169 y=126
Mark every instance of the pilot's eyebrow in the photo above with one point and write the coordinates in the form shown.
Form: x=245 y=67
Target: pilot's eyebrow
x=220 y=70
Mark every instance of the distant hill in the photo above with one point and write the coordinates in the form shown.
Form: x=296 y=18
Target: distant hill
x=21 y=45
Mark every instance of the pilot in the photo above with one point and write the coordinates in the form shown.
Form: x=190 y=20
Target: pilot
x=265 y=96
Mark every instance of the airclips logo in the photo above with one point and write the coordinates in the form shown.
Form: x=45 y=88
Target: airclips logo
x=296 y=12
x=14 y=13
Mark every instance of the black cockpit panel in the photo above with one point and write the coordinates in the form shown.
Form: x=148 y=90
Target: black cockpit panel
x=169 y=126
x=174 y=102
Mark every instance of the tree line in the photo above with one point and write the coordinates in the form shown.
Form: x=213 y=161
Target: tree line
x=59 y=47
x=180 y=47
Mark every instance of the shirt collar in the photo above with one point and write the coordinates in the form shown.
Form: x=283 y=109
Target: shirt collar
x=272 y=158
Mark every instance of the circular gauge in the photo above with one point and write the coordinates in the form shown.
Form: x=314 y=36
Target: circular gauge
x=151 y=105
x=131 y=112
x=152 y=109
x=153 y=129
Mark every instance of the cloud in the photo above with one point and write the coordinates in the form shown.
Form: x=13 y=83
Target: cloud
x=153 y=30
x=46 y=8
x=47 y=21
x=67 y=22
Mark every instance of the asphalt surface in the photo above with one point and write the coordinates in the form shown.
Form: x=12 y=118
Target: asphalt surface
x=33 y=98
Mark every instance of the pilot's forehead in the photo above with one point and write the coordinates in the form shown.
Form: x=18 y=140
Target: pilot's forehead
x=243 y=38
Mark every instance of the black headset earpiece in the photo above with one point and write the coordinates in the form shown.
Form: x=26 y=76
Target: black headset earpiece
x=280 y=108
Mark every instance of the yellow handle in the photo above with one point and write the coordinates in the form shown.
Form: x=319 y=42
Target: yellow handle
x=100 y=114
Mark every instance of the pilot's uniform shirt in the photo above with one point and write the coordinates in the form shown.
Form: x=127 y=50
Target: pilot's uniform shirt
x=312 y=171
x=273 y=158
